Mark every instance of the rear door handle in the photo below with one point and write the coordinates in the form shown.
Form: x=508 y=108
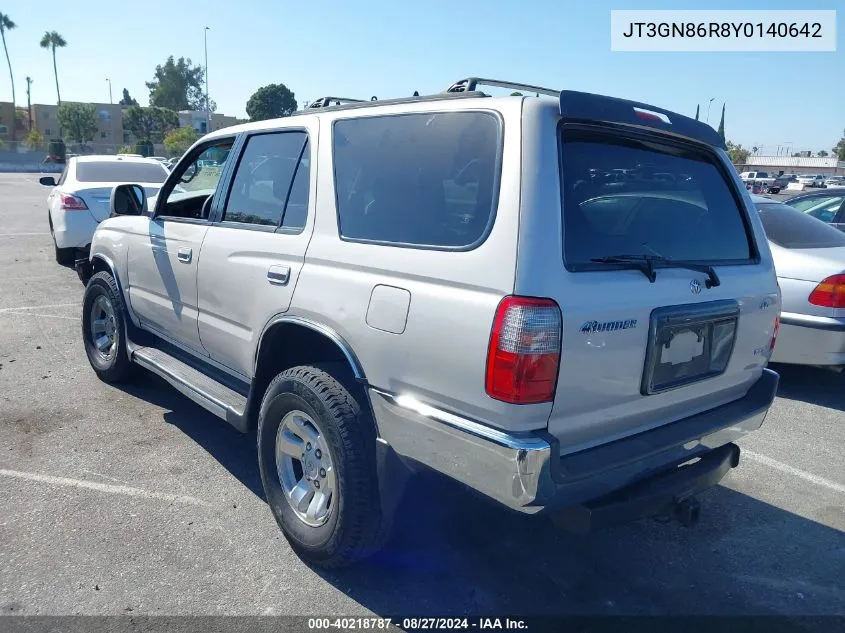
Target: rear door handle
x=278 y=275
x=184 y=255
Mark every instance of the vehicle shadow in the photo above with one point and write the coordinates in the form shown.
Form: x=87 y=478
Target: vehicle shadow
x=453 y=553
x=812 y=385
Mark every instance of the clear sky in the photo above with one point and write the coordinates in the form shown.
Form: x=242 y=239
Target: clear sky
x=391 y=48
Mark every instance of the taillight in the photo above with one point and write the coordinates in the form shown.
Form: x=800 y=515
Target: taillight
x=830 y=293
x=72 y=203
x=524 y=352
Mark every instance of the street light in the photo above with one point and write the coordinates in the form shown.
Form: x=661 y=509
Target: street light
x=708 y=109
x=207 y=108
x=110 y=99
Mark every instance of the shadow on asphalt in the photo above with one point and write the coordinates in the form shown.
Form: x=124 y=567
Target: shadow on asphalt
x=455 y=553
x=812 y=385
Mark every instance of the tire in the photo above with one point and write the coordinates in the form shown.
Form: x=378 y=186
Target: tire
x=353 y=525
x=113 y=364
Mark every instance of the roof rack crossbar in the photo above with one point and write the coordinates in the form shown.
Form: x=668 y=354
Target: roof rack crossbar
x=470 y=83
x=325 y=102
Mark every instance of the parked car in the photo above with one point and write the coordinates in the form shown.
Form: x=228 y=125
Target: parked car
x=811 y=180
x=80 y=198
x=782 y=181
x=455 y=292
x=161 y=159
x=834 y=181
x=827 y=206
x=810 y=261
x=760 y=181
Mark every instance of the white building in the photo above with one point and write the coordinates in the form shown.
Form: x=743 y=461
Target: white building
x=829 y=165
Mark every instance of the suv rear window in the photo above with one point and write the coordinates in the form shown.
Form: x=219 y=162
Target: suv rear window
x=421 y=180
x=789 y=228
x=691 y=216
x=117 y=171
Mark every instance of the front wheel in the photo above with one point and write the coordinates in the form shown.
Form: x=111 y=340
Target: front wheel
x=104 y=329
x=316 y=454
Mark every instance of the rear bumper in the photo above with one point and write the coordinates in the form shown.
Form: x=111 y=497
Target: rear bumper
x=73 y=229
x=526 y=471
x=809 y=340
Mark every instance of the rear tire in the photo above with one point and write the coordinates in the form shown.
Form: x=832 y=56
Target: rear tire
x=104 y=329
x=313 y=410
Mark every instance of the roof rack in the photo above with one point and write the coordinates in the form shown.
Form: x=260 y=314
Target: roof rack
x=325 y=102
x=470 y=83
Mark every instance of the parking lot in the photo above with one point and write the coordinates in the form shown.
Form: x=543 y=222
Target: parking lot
x=135 y=500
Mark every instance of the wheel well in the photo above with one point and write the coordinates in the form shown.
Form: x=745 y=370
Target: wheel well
x=287 y=345
x=98 y=266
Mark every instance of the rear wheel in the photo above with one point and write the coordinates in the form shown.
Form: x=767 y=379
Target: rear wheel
x=104 y=329
x=316 y=453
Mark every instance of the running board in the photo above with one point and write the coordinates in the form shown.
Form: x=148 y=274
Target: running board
x=206 y=392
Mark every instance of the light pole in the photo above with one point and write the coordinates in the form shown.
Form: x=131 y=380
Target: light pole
x=110 y=98
x=708 y=109
x=207 y=108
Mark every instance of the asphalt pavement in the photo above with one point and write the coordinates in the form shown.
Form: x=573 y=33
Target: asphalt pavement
x=133 y=500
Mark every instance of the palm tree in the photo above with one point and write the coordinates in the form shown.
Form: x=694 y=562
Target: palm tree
x=53 y=41
x=7 y=25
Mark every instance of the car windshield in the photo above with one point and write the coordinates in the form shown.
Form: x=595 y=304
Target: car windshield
x=691 y=216
x=118 y=171
x=792 y=229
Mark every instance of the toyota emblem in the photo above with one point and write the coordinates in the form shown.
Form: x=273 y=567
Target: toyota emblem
x=695 y=287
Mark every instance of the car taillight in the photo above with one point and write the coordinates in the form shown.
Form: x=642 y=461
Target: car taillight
x=830 y=293
x=524 y=352
x=72 y=203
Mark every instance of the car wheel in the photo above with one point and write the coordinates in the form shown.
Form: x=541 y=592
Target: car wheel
x=104 y=329
x=316 y=454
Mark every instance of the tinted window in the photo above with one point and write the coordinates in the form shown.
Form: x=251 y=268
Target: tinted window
x=692 y=216
x=263 y=179
x=806 y=204
x=296 y=209
x=417 y=179
x=789 y=228
x=119 y=171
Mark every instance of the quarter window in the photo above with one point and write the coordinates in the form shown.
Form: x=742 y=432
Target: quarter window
x=422 y=180
x=272 y=168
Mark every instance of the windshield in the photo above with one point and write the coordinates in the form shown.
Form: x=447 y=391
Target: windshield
x=118 y=171
x=690 y=216
x=789 y=228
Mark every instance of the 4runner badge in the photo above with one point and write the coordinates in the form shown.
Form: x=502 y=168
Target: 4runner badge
x=607 y=326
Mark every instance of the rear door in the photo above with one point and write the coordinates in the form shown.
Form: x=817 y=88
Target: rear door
x=637 y=352
x=253 y=253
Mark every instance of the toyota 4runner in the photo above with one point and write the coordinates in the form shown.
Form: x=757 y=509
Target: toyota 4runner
x=566 y=304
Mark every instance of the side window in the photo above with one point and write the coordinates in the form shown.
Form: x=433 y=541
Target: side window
x=264 y=178
x=296 y=210
x=427 y=180
x=196 y=182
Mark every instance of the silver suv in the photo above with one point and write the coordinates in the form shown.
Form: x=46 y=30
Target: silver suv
x=566 y=304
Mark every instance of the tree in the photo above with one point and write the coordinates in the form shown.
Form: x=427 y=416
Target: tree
x=127 y=100
x=178 y=85
x=822 y=153
x=79 y=121
x=179 y=140
x=721 y=129
x=697 y=106
x=755 y=149
x=6 y=24
x=149 y=124
x=737 y=153
x=35 y=140
x=53 y=40
x=839 y=150
x=271 y=102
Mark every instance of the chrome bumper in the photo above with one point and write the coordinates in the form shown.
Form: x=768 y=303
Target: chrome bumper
x=526 y=472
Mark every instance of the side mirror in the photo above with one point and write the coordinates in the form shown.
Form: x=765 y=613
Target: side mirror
x=47 y=181
x=128 y=200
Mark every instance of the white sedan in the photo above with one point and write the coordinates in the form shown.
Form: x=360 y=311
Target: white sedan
x=80 y=199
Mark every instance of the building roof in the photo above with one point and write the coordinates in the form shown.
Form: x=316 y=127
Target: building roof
x=795 y=161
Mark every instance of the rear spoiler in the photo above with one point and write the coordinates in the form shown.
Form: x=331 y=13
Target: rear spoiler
x=590 y=107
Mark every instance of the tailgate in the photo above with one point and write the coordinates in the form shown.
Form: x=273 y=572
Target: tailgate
x=665 y=282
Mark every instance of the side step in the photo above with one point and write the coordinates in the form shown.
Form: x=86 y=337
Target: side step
x=206 y=392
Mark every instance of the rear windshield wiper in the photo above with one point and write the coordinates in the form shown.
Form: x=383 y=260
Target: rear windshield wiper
x=646 y=263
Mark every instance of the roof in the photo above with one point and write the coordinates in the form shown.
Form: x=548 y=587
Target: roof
x=108 y=158
x=795 y=161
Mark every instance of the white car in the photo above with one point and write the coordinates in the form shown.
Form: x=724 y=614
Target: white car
x=79 y=201
x=810 y=180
